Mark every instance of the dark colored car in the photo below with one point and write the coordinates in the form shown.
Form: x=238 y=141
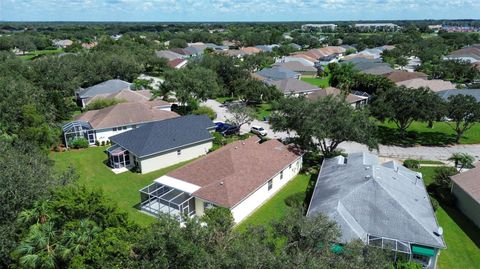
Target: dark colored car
x=219 y=126
x=228 y=129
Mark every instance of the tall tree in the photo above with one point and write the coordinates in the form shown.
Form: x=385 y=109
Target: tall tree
x=403 y=106
x=240 y=114
x=464 y=112
x=324 y=123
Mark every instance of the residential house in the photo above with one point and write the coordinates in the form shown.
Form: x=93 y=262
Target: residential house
x=277 y=73
x=99 y=125
x=160 y=144
x=445 y=94
x=368 y=66
x=295 y=46
x=250 y=50
x=169 y=55
x=355 y=100
x=267 y=48
x=302 y=58
x=435 y=85
x=240 y=176
x=106 y=87
x=177 y=63
x=398 y=76
x=129 y=96
x=384 y=205
x=184 y=52
x=89 y=45
x=298 y=67
x=62 y=43
x=466 y=189
x=470 y=54
x=293 y=87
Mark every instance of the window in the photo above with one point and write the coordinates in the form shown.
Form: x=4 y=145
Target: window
x=281 y=175
x=270 y=184
x=179 y=152
x=134 y=126
x=290 y=166
x=114 y=129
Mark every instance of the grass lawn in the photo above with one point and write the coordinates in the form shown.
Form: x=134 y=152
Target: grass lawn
x=320 y=82
x=122 y=188
x=222 y=100
x=461 y=235
x=36 y=53
x=419 y=133
x=262 y=111
x=275 y=208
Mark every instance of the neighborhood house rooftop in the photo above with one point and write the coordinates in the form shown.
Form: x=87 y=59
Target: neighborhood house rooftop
x=369 y=200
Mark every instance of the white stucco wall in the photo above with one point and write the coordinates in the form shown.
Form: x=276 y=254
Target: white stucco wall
x=152 y=163
x=105 y=134
x=261 y=195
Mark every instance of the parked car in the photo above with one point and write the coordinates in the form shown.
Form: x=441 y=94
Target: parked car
x=229 y=129
x=219 y=125
x=258 y=130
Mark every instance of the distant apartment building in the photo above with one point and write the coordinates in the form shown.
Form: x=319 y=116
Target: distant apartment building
x=387 y=27
x=322 y=26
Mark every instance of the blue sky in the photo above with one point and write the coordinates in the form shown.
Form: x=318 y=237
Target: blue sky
x=235 y=10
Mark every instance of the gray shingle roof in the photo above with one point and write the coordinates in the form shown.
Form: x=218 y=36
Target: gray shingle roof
x=106 y=87
x=366 y=198
x=472 y=92
x=277 y=73
x=165 y=135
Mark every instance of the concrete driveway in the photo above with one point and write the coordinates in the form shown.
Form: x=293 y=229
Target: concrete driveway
x=419 y=152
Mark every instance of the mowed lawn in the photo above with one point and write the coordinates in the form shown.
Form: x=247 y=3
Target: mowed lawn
x=419 y=133
x=275 y=208
x=36 y=53
x=460 y=234
x=320 y=82
x=122 y=189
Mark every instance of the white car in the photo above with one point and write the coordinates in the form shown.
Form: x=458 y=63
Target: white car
x=258 y=130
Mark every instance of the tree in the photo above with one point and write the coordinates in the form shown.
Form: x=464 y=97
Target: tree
x=462 y=160
x=403 y=106
x=252 y=90
x=442 y=176
x=190 y=85
x=342 y=76
x=464 y=112
x=205 y=110
x=178 y=43
x=324 y=123
x=240 y=114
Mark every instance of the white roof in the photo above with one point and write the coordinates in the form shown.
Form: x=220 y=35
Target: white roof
x=177 y=184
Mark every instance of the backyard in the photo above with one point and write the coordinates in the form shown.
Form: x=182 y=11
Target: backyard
x=320 y=82
x=122 y=188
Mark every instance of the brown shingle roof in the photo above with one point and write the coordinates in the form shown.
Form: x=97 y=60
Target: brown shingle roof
x=130 y=96
x=290 y=85
x=397 y=76
x=350 y=98
x=250 y=50
x=469 y=181
x=124 y=114
x=435 y=85
x=232 y=173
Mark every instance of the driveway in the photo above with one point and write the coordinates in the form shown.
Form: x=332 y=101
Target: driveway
x=420 y=152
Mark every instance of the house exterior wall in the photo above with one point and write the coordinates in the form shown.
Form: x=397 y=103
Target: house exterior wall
x=467 y=204
x=105 y=134
x=256 y=199
x=155 y=162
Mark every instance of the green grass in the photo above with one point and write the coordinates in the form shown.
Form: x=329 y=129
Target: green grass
x=430 y=162
x=122 y=188
x=461 y=235
x=418 y=133
x=262 y=111
x=37 y=53
x=275 y=208
x=222 y=100
x=320 y=82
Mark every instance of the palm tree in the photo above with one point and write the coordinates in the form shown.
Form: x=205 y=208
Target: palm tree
x=462 y=159
x=39 y=248
x=77 y=240
x=38 y=214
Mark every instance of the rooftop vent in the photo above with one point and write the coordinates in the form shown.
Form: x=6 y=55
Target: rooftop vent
x=236 y=147
x=439 y=232
x=221 y=182
x=367 y=176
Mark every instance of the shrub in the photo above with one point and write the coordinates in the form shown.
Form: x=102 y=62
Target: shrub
x=296 y=199
x=97 y=143
x=103 y=143
x=435 y=203
x=412 y=164
x=80 y=143
x=408 y=265
x=205 y=110
x=442 y=176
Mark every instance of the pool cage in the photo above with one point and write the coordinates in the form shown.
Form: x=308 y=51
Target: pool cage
x=159 y=199
x=78 y=129
x=118 y=157
x=402 y=250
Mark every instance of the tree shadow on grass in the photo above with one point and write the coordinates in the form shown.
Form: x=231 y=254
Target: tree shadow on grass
x=391 y=136
x=467 y=226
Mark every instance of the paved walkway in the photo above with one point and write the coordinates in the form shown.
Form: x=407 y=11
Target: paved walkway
x=420 y=152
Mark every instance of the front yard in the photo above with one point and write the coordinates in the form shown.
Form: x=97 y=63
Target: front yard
x=121 y=189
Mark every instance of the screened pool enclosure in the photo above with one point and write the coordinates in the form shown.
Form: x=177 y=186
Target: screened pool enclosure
x=78 y=129
x=159 y=199
x=118 y=157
